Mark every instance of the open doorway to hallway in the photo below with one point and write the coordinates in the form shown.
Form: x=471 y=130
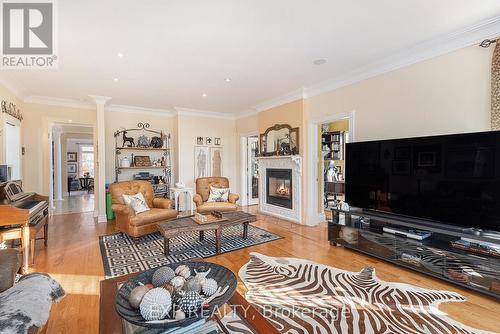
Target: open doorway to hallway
x=72 y=168
x=250 y=170
x=324 y=132
x=334 y=136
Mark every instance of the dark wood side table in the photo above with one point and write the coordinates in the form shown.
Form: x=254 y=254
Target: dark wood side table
x=171 y=228
x=111 y=323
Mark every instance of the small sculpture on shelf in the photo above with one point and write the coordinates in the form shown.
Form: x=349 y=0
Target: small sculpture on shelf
x=143 y=141
x=156 y=142
x=129 y=140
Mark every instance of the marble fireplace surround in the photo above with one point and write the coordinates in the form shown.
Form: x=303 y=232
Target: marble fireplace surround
x=293 y=162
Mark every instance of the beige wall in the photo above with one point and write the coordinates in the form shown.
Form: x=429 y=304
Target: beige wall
x=190 y=127
x=128 y=120
x=447 y=94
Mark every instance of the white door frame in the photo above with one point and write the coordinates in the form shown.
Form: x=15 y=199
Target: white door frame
x=314 y=215
x=243 y=165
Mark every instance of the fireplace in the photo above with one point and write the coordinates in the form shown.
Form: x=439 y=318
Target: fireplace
x=279 y=187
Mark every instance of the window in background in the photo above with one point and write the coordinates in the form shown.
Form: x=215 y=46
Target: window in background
x=87 y=160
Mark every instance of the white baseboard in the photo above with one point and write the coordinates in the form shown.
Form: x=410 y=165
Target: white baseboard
x=102 y=218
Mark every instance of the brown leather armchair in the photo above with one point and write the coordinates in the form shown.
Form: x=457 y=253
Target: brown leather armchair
x=145 y=222
x=203 y=191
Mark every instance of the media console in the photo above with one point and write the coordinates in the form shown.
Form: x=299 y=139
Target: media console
x=434 y=256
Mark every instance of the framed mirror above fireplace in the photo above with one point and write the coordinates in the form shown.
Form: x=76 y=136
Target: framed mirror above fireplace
x=280 y=139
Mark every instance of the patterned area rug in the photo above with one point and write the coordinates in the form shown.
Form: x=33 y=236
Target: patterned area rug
x=121 y=255
x=300 y=296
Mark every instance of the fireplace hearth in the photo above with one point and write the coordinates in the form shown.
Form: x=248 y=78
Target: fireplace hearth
x=279 y=187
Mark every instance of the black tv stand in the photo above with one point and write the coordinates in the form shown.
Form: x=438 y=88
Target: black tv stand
x=434 y=256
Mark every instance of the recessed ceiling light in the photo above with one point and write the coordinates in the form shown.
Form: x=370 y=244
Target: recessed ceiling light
x=320 y=61
x=120 y=54
x=227 y=80
x=204 y=95
x=115 y=79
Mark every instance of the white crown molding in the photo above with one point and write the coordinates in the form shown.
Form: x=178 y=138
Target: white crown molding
x=16 y=89
x=132 y=109
x=280 y=100
x=423 y=51
x=60 y=102
x=204 y=113
x=247 y=113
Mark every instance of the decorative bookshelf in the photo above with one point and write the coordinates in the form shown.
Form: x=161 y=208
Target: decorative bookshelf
x=141 y=142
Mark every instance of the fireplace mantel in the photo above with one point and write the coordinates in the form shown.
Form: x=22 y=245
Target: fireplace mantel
x=297 y=159
x=292 y=162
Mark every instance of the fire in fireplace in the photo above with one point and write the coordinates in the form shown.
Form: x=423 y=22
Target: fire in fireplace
x=279 y=187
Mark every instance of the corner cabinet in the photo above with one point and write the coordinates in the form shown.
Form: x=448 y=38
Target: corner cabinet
x=144 y=154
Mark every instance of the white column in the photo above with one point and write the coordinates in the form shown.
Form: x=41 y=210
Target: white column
x=56 y=137
x=100 y=158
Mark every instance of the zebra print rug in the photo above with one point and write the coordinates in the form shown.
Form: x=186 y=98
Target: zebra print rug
x=300 y=296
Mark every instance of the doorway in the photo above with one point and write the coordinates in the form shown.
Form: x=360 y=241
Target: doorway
x=252 y=170
x=72 y=168
x=249 y=170
x=317 y=162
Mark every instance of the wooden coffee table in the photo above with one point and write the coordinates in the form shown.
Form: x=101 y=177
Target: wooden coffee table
x=171 y=228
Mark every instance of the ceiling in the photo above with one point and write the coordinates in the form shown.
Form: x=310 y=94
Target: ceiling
x=176 y=50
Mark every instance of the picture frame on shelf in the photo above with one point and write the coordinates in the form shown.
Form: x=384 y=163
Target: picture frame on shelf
x=201 y=161
x=71 y=157
x=142 y=161
x=216 y=161
x=71 y=168
x=199 y=140
x=217 y=141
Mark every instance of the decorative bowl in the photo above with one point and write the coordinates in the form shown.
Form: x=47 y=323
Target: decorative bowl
x=222 y=275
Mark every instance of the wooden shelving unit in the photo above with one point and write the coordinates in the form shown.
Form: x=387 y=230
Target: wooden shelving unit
x=164 y=151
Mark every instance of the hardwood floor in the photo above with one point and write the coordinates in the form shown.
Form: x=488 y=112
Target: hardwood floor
x=73 y=258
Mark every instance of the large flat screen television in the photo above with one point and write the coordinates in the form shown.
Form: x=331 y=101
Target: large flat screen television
x=448 y=179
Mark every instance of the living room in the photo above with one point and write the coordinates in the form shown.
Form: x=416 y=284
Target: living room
x=209 y=127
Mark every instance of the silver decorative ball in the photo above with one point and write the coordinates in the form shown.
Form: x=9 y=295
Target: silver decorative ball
x=183 y=271
x=209 y=287
x=155 y=304
x=178 y=282
x=191 y=302
x=162 y=276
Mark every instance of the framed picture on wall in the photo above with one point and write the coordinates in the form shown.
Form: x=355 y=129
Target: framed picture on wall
x=71 y=168
x=71 y=157
x=208 y=141
x=216 y=161
x=217 y=141
x=201 y=161
x=199 y=140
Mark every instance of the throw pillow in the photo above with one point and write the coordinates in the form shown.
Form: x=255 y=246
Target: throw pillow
x=218 y=194
x=137 y=202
